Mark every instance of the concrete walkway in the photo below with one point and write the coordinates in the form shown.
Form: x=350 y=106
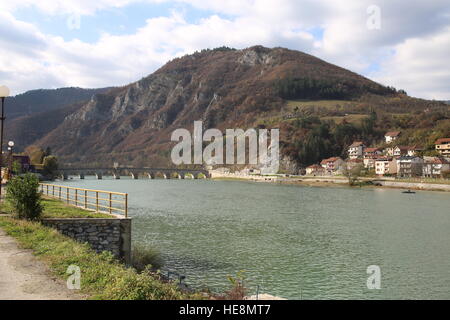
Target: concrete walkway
x=24 y=277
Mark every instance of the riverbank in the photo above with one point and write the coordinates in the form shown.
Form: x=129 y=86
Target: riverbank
x=24 y=277
x=102 y=276
x=335 y=182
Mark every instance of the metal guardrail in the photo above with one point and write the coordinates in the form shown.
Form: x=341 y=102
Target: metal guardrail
x=89 y=199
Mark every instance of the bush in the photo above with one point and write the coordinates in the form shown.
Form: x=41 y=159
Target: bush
x=23 y=196
x=144 y=256
x=50 y=167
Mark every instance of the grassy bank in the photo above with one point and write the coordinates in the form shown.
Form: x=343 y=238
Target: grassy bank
x=58 y=209
x=102 y=276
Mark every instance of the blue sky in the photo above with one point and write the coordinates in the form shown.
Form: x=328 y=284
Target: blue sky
x=56 y=43
x=116 y=21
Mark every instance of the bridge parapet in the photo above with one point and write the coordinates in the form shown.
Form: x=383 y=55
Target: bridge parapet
x=151 y=173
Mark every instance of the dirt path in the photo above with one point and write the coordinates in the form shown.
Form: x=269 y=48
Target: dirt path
x=23 y=277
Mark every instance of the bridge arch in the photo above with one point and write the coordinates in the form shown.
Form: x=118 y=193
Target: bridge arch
x=161 y=175
x=200 y=175
x=176 y=175
x=134 y=175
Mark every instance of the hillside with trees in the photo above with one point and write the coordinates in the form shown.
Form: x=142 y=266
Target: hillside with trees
x=320 y=109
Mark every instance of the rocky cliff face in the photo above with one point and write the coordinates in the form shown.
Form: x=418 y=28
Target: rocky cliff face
x=224 y=88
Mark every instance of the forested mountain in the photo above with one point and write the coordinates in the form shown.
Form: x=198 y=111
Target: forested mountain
x=320 y=109
x=41 y=100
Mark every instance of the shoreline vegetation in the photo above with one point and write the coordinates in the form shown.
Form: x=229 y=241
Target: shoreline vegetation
x=322 y=181
x=102 y=276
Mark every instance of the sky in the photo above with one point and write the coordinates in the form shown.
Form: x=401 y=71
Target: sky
x=91 y=44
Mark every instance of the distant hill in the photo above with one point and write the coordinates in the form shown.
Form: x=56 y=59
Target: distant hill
x=320 y=109
x=33 y=114
x=41 y=100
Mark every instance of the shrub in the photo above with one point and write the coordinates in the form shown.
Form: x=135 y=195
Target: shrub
x=50 y=166
x=23 y=196
x=144 y=256
x=238 y=291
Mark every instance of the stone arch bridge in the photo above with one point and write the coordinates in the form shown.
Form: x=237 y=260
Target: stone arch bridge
x=134 y=173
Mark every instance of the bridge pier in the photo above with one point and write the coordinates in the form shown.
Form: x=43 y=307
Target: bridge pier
x=81 y=176
x=116 y=176
x=64 y=176
x=99 y=176
x=134 y=176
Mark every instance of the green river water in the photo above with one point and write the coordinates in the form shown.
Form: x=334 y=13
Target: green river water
x=292 y=241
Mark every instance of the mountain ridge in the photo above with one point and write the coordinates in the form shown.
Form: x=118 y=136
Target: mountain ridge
x=225 y=88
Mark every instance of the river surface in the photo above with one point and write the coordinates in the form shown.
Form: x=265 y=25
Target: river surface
x=295 y=242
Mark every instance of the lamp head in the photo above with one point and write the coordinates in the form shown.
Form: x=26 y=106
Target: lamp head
x=4 y=91
x=11 y=144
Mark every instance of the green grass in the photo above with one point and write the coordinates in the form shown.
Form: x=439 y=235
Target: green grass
x=58 y=209
x=102 y=276
x=291 y=104
x=351 y=118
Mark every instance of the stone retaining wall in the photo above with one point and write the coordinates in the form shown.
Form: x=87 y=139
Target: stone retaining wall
x=112 y=235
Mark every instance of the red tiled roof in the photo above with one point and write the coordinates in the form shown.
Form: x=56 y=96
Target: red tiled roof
x=404 y=148
x=356 y=144
x=392 y=134
x=440 y=161
x=314 y=166
x=332 y=159
x=442 y=140
x=371 y=150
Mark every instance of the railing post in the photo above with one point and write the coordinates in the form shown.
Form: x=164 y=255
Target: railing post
x=53 y=192
x=85 y=199
x=47 y=190
x=126 y=205
x=67 y=192
x=96 y=199
x=110 y=202
x=76 y=197
x=59 y=193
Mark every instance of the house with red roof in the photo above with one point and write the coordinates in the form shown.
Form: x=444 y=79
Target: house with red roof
x=333 y=164
x=435 y=167
x=315 y=170
x=391 y=136
x=356 y=150
x=443 y=146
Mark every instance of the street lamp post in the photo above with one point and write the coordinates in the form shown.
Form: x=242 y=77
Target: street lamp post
x=4 y=92
x=11 y=157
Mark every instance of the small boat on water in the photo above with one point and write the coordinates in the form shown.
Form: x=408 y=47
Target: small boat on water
x=409 y=191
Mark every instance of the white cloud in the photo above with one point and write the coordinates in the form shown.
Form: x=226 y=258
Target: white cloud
x=411 y=46
x=420 y=65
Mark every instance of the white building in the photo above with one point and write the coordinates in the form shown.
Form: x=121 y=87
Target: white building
x=356 y=150
x=408 y=166
x=435 y=167
x=391 y=136
x=384 y=166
